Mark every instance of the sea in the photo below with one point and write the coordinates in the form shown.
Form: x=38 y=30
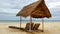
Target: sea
x=29 y=20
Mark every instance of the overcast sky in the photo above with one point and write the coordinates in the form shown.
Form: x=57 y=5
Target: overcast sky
x=9 y=8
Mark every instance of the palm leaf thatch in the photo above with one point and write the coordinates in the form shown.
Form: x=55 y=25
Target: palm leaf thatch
x=36 y=10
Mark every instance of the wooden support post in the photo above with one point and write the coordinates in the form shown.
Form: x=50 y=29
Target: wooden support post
x=30 y=23
x=42 y=24
x=20 y=21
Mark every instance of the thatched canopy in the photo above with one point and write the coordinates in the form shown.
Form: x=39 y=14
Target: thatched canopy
x=28 y=9
x=36 y=10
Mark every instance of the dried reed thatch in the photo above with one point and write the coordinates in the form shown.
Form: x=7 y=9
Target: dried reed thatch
x=36 y=10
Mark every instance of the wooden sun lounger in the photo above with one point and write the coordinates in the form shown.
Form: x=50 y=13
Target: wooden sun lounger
x=28 y=26
x=24 y=29
x=36 y=26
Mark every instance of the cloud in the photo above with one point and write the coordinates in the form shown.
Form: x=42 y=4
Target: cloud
x=54 y=4
x=14 y=4
x=49 y=1
x=12 y=7
x=8 y=11
x=55 y=11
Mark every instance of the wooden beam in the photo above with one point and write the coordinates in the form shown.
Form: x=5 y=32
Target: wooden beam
x=20 y=21
x=30 y=23
x=42 y=24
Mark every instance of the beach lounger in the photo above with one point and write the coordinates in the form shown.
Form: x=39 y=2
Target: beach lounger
x=28 y=26
x=36 y=26
x=25 y=29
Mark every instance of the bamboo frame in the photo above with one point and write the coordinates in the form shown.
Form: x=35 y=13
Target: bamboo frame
x=42 y=24
x=30 y=23
x=20 y=21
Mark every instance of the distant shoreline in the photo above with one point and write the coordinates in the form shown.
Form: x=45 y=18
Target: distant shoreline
x=29 y=21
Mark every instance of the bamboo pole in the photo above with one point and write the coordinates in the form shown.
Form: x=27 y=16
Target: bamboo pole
x=42 y=24
x=20 y=21
x=30 y=23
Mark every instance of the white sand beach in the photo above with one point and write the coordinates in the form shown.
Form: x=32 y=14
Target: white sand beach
x=49 y=28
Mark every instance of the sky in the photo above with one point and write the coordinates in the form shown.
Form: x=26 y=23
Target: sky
x=9 y=8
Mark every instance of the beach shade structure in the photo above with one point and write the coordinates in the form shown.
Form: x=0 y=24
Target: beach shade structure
x=35 y=10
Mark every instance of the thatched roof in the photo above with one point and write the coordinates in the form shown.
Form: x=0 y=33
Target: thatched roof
x=28 y=9
x=36 y=10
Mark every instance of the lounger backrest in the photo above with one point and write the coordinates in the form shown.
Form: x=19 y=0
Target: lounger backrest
x=28 y=26
x=36 y=26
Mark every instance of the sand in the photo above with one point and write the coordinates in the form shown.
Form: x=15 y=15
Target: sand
x=49 y=28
